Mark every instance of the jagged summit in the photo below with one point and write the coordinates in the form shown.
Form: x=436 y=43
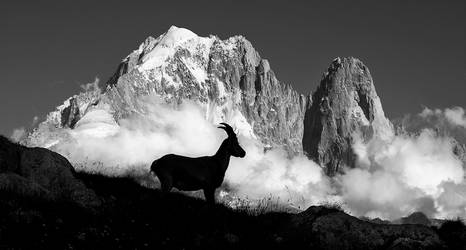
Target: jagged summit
x=175 y=36
x=167 y=44
x=345 y=108
x=153 y=53
x=227 y=78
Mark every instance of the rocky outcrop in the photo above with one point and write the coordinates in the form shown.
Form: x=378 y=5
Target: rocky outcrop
x=70 y=114
x=328 y=228
x=345 y=108
x=273 y=109
x=39 y=173
x=459 y=150
x=414 y=218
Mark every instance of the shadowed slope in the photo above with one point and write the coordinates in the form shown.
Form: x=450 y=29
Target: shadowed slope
x=45 y=201
x=132 y=216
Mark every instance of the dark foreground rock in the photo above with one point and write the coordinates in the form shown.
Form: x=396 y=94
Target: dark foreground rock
x=321 y=227
x=415 y=218
x=39 y=173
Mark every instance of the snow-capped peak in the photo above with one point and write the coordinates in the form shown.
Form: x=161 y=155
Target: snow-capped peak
x=168 y=44
x=176 y=36
x=227 y=79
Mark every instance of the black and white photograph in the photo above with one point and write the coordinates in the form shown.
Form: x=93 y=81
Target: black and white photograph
x=233 y=124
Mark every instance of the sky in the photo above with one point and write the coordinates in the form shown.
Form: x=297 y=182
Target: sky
x=415 y=50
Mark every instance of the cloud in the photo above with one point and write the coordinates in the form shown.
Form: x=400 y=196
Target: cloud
x=100 y=144
x=35 y=121
x=393 y=178
x=445 y=123
x=455 y=116
x=298 y=181
x=405 y=174
x=92 y=86
x=141 y=138
x=18 y=134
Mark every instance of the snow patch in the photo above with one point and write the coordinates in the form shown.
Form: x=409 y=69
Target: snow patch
x=199 y=73
x=51 y=144
x=229 y=45
x=96 y=123
x=176 y=36
x=239 y=122
x=359 y=115
x=170 y=43
x=222 y=92
x=382 y=126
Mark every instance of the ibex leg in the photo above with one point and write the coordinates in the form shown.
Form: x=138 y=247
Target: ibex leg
x=209 y=194
x=166 y=183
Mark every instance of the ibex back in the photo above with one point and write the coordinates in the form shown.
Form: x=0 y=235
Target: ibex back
x=206 y=173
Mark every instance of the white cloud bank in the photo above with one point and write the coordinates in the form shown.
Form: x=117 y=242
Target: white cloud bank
x=409 y=173
x=393 y=179
x=20 y=133
x=99 y=144
x=455 y=116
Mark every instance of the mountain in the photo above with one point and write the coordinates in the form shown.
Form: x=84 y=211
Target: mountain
x=232 y=83
x=344 y=105
x=227 y=78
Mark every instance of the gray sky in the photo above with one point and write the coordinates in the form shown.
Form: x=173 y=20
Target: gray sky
x=415 y=50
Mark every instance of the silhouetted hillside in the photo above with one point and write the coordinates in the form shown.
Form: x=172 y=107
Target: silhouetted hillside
x=129 y=216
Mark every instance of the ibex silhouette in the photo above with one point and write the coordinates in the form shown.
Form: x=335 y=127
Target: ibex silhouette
x=206 y=172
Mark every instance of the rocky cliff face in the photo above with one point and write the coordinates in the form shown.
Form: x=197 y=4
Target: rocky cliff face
x=227 y=78
x=345 y=108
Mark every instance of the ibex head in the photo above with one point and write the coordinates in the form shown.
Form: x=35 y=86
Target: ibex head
x=232 y=141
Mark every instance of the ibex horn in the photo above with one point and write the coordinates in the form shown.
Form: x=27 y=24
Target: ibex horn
x=227 y=128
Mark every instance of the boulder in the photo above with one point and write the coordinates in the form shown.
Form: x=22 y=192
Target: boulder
x=41 y=173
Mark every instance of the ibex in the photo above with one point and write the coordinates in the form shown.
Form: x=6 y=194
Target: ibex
x=206 y=172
